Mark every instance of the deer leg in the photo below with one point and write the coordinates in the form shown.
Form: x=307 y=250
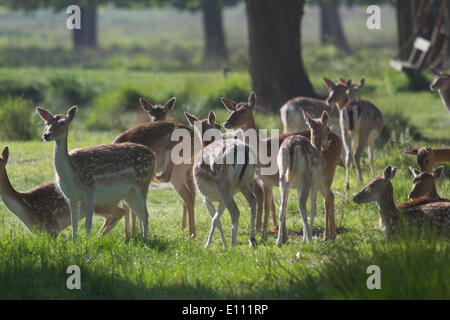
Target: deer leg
x=357 y=157
x=284 y=191
x=188 y=197
x=314 y=190
x=212 y=212
x=248 y=194
x=259 y=194
x=74 y=209
x=127 y=220
x=274 y=216
x=303 y=193
x=268 y=200
x=89 y=209
x=330 y=227
x=136 y=201
x=371 y=158
x=226 y=194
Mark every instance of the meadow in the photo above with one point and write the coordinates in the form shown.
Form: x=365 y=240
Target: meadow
x=169 y=264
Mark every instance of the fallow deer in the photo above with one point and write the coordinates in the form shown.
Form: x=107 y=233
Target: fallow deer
x=241 y=117
x=104 y=174
x=292 y=111
x=157 y=136
x=218 y=181
x=428 y=157
x=420 y=212
x=360 y=122
x=300 y=164
x=424 y=184
x=44 y=208
x=441 y=84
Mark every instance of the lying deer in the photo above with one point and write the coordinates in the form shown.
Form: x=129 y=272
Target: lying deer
x=157 y=135
x=300 y=163
x=360 y=122
x=44 y=208
x=428 y=157
x=441 y=84
x=218 y=181
x=241 y=117
x=104 y=174
x=420 y=212
x=292 y=111
x=424 y=184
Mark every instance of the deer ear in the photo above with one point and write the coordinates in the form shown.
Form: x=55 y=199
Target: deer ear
x=5 y=154
x=145 y=104
x=252 y=99
x=324 y=117
x=45 y=115
x=307 y=118
x=435 y=72
x=349 y=83
x=362 y=82
x=412 y=152
x=170 y=104
x=211 y=118
x=190 y=118
x=438 y=172
x=342 y=80
x=389 y=172
x=329 y=83
x=414 y=171
x=229 y=104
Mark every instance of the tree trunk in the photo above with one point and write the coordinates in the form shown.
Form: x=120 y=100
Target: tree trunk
x=406 y=25
x=215 y=51
x=331 y=26
x=86 y=37
x=276 y=65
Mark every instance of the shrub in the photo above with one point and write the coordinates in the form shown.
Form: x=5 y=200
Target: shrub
x=31 y=92
x=16 y=121
x=66 y=91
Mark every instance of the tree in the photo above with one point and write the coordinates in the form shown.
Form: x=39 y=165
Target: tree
x=276 y=65
x=330 y=25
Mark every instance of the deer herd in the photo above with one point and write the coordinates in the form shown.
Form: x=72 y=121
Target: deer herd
x=318 y=135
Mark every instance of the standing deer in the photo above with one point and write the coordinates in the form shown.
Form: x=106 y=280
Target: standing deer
x=424 y=184
x=441 y=84
x=300 y=164
x=44 y=207
x=241 y=117
x=292 y=111
x=360 y=122
x=103 y=174
x=428 y=157
x=420 y=212
x=218 y=180
x=157 y=135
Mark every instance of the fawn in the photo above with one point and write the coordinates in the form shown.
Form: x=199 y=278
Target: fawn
x=218 y=181
x=424 y=184
x=102 y=174
x=300 y=163
x=428 y=157
x=441 y=84
x=420 y=212
x=44 y=207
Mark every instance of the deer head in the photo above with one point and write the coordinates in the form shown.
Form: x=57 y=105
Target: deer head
x=240 y=114
x=354 y=89
x=441 y=80
x=425 y=158
x=56 y=126
x=203 y=125
x=4 y=158
x=337 y=93
x=424 y=183
x=377 y=188
x=319 y=130
x=157 y=112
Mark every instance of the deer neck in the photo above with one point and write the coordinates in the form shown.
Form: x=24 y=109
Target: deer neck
x=388 y=210
x=445 y=95
x=441 y=154
x=13 y=200
x=62 y=160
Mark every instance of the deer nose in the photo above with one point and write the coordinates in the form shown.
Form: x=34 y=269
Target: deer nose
x=46 y=136
x=226 y=125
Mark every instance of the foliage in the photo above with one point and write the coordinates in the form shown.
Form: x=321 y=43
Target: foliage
x=16 y=121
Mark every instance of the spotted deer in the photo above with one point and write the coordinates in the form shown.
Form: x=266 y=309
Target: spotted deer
x=424 y=184
x=218 y=180
x=104 y=174
x=292 y=111
x=156 y=135
x=241 y=117
x=420 y=212
x=44 y=208
x=428 y=157
x=441 y=84
x=300 y=164
x=360 y=122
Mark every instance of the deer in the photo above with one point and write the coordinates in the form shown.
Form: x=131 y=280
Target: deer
x=104 y=174
x=360 y=122
x=300 y=164
x=240 y=116
x=441 y=84
x=43 y=208
x=424 y=184
x=420 y=212
x=427 y=157
x=218 y=181
x=292 y=111
x=156 y=135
